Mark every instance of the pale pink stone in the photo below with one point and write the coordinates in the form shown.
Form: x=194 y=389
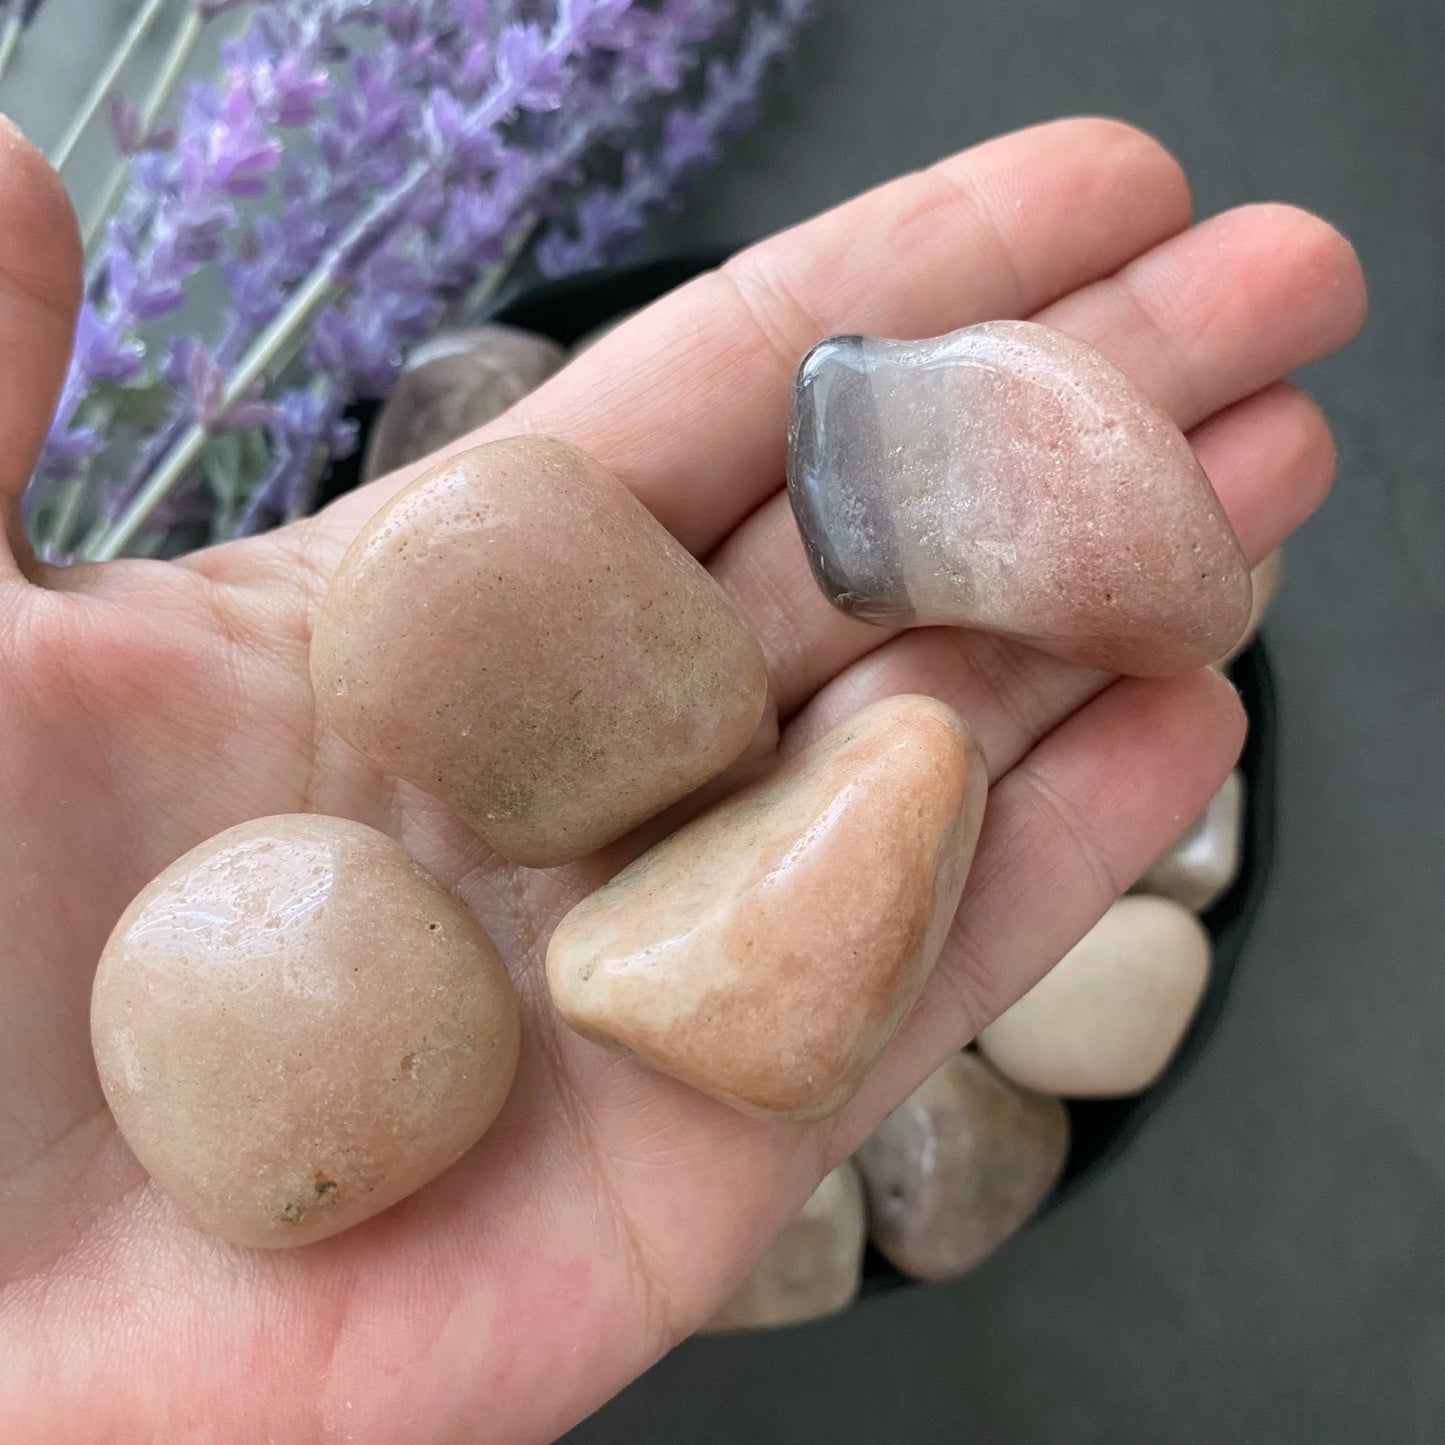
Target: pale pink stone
x=1108 y=1017
x=1008 y=477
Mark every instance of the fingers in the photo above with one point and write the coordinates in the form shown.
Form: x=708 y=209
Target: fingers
x=1271 y=459
x=40 y=269
x=1255 y=293
x=687 y=402
x=1076 y=823
x=1223 y=310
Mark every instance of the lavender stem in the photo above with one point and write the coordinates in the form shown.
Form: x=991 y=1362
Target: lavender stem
x=165 y=82
x=10 y=39
x=67 y=513
x=486 y=286
x=130 y=42
x=318 y=288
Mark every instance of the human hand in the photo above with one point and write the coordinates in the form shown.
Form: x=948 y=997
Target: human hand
x=145 y=706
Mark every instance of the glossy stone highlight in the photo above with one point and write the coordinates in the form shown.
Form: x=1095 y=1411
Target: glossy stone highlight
x=1108 y=1017
x=1201 y=867
x=1007 y=477
x=767 y=951
x=295 y=1027
x=518 y=636
x=453 y=384
x=959 y=1168
x=812 y=1268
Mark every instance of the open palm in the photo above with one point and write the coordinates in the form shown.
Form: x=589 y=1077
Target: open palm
x=144 y=706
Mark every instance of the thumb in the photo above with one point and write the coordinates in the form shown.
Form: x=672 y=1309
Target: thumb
x=40 y=285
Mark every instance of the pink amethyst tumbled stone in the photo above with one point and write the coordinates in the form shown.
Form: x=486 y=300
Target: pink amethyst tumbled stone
x=1008 y=477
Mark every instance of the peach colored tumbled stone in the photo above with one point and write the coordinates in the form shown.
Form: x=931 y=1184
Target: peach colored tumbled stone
x=518 y=636
x=767 y=951
x=812 y=1268
x=1108 y=1017
x=959 y=1168
x=1008 y=477
x=296 y=1027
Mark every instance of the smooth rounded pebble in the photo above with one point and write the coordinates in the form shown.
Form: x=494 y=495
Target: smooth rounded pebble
x=1108 y=1017
x=959 y=1168
x=812 y=1269
x=453 y=384
x=767 y=951
x=1008 y=477
x=1202 y=866
x=296 y=1027
x=515 y=634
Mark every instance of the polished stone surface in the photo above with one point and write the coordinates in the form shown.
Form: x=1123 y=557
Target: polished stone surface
x=1106 y=1019
x=1199 y=869
x=453 y=384
x=959 y=1168
x=296 y=1027
x=767 y=951
x=517 y=635
x=812 y=1268
x=1008 y=477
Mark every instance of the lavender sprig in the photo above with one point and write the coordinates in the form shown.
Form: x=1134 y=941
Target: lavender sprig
x=138 y=124
x=607 y=217
x=530 y=73
x=140 y=26
x=361 y=164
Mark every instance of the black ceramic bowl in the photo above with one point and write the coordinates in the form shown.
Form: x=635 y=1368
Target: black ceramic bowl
x=1101 y=1128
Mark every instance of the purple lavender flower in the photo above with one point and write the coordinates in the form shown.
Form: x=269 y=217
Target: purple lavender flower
x=606 y=217
x=354 y=172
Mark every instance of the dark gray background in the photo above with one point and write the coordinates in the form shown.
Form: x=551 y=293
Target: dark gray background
x=1268 y=1264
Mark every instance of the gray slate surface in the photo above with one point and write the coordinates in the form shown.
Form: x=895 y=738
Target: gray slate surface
x=1268 y=1264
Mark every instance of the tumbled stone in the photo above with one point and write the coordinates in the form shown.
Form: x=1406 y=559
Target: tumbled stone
x=1109 y=1016
x=1007 y=477
x=959 y=1168
x=767 y=951
x=517 y=635
x=1266 y=579
x=453 y=384
x=812 y=1268
x=295 y=1027
x=1199 y=869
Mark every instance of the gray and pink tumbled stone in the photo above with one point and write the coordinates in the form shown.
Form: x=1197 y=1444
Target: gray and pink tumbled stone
x=1008 y=477
x=454 y=384
x=959 y=1168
